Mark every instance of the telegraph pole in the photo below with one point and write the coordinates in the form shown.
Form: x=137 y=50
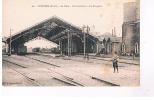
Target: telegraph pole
x=84 y=39
x=88 y=29
x=84 y=44
x=114 y=31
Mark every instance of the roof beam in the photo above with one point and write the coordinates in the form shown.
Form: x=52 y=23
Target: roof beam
x=61 y=38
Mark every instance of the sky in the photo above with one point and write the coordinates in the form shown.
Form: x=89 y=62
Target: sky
x=21 y=14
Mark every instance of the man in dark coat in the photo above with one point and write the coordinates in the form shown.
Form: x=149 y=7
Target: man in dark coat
x=115 y=62
x=115 y=65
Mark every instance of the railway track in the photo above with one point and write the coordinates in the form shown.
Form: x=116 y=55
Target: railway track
x=120 y=67
x=33 y=81
x=14 y=63
x=66 y=80
x=92 y=77
x=43 y=61
x=99 y=58
x=92 y=57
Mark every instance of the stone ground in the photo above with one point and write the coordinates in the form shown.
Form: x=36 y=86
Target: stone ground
x=76 y=67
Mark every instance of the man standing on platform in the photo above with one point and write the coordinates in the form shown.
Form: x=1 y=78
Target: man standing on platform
x=115 y=62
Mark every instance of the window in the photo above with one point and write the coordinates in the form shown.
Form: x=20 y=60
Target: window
x=136 y=48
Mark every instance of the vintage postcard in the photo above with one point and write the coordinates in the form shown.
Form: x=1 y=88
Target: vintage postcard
x=85 y=43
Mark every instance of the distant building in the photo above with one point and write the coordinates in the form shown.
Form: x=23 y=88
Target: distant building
x=131 y=29
x=30 y=50
x=110 y=44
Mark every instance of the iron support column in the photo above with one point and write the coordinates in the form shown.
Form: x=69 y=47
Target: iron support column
x=84 y=44
x=10 y=44
x=97 y=48
x=60 y=47
x=6 y=47
x=68 y=47
x=70 y=43
x=87 y=31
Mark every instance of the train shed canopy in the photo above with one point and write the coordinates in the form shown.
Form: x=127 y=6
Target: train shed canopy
x=53 y=29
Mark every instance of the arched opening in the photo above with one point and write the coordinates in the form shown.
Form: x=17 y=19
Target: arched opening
x=136 y=48
x=40 y=44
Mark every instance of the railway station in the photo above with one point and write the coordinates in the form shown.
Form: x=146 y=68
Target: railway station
x=80 y=59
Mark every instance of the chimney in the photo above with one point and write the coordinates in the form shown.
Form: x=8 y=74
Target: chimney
x=114 y=31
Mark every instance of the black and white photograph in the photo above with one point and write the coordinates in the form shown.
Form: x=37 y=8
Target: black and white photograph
x=72 y=49
x=88 y=44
